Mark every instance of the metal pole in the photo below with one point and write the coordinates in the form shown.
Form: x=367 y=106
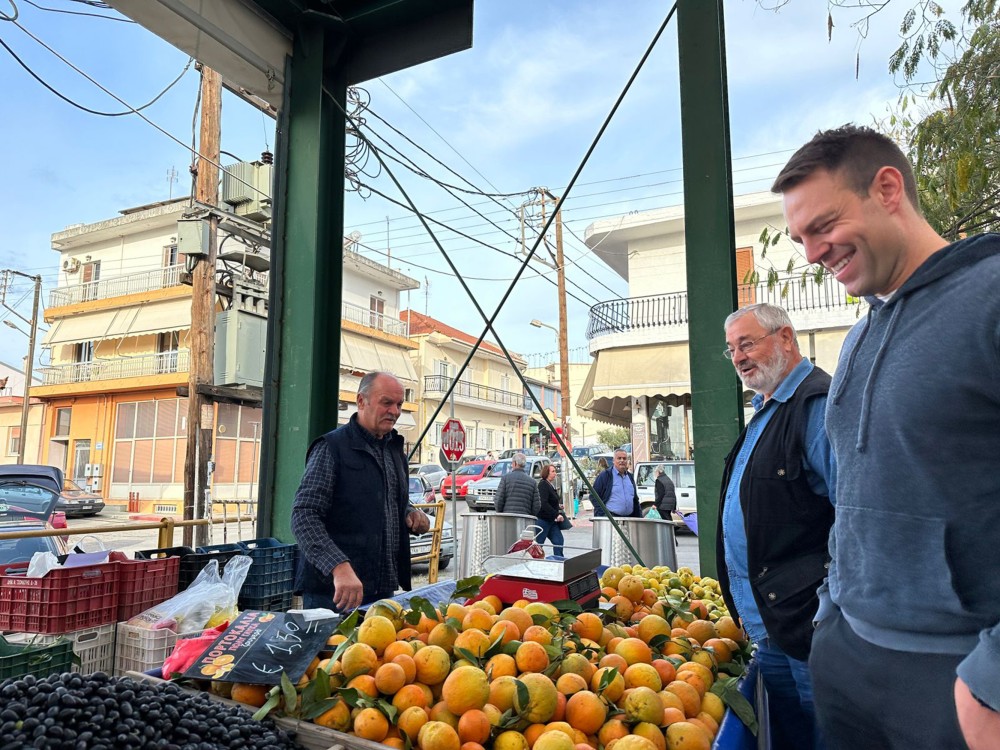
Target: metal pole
x=454 y=503
x=28 y=371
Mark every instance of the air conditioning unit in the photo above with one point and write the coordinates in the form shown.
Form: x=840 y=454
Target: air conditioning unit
x=71 y=265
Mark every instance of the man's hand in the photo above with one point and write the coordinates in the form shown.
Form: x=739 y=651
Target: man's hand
x=417 y=522
x=348 y=593
x=980 y=725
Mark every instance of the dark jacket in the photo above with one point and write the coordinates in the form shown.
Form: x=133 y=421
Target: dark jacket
x=603 y=485
x=356 y=522
x=787 y=524
x=551 y=505
x=518 y=493
x=666 y=497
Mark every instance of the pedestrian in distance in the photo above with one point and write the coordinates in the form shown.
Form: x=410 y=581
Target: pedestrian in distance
x=906 y=652
x=617 y=488
x=550 y=513
x=775 y=514
x=664 y=494
x=517 y=492
x=351 y=516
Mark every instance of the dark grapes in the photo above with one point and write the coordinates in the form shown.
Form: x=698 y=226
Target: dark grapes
x=97 y=711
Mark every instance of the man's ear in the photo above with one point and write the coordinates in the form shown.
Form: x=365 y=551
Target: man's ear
x=888 y=188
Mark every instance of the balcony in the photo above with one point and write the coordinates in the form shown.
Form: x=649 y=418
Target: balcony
x=436 y=386
x=118 y=368
x=133 y=283
x=372 y=319
x=664 y=317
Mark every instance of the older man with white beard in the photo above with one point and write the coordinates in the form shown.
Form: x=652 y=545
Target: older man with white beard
x=775 y=514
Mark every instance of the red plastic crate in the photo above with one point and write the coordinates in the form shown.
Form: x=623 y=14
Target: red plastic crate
x=143 y=583
x=63 y=600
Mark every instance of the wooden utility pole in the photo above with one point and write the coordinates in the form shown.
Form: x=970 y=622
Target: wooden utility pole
x=201 y=417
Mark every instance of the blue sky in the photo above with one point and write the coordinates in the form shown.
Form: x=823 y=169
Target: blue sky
x=521 y=107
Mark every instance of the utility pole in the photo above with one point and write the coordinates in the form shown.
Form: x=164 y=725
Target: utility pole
x=200 y=417
x=29 y=365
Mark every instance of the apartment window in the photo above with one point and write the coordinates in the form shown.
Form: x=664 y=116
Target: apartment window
x=13 y=441
x=63 y=418
x=438 y=427
x=171 y=257
x=441 y=368
x=489 y=439
x=91 y=273
x=237 y=444
x=377 y=307
x=150 y=441
x=84 y=351
x=747 y=292
x=505 y=382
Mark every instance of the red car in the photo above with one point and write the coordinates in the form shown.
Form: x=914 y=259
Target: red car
x=468 y=473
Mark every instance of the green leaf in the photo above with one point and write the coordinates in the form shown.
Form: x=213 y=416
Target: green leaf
x=319 y=708
x=468 y=588
x=554 y=652
x=388 y=709
x=606 y=679
x=495 y=648
x=351 y=639
x=349 y=623
x=508 y=720
x=522 y=697
x=467 y=655
x=727 y=689
x=350 y=695
x=540 y=619
x=290 y=694
x=567 y=605
x=454 y=622
x=658 y=640
x=268 y=707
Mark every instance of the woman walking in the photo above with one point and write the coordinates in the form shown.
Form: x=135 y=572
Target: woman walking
x=551 y=512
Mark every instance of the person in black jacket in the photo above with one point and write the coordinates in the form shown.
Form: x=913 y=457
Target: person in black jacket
x=551 y=513
x=775 y=514
x=517 y=492
x=666 y=496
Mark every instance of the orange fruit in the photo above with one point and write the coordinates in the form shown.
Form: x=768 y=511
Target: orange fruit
x=652 y=732
x=613 y=660
x=472 y=746
x=542 y=698
x=433 y=665
x=631 y=587
x=538 y=634
x=474 y=726
x=643 y=675
x=397 y=648
x=389 y=678
x=671 y=700
x=683 y=735
x=408 y=665
x=359 y=658
x=371 y=724
x=726 y=627
x=702 y=630
x=613 y=729
x=412 y=695
x=502 y=691
x=578 y=664
x=613 y=691
x=643 y=704
x=634 y=742
x=651 y=626
x=672 y=716
x=443 y=635
x=720 y=648
x=634 y=651
x=338 y=717
x=466 y=688
x=439 y=712
x=712 y=705
x=477 y=618
x=506 y=630
x=436 y=735
x=586 y=711
x=475 y=641
x=689 y=696
x=532 y=733
x=364 y=683
x=251 y=695
x=588 y=625
x=553 y=740
x=494 y=601
x=410 y=721
x=517 y=616
x=570 y=683
x=666 y=670
x=500 y=665
x=531 y=657
x=510 y=740
x=377 y=632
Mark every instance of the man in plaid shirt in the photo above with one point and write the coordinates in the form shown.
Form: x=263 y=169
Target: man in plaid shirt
x=351 y=516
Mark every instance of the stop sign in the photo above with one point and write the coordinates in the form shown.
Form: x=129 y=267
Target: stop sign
x=453 y=440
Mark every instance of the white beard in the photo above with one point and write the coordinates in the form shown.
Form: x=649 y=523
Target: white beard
x=767 y=375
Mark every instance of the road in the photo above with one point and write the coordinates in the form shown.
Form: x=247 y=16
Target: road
x=129 y=541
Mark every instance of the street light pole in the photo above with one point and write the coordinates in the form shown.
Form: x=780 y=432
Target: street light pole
x=29 y=365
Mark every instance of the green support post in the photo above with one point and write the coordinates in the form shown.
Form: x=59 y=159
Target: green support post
x=716 y=399
x=301 y=387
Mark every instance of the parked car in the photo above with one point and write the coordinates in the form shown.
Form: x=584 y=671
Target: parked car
x=481 y=494
x=511 y=451
x=588 y=451
x=421 y=545
x=27 y=506
x=469 y=458
x=421 y=492
x=74 y=501
x=465 y=474
x=434 y=473
x=681 y=473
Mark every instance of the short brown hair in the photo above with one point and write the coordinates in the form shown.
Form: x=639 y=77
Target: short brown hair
x=855 y=152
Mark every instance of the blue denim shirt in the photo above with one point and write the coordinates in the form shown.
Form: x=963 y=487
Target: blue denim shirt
x=622 y=493
x=820 y=471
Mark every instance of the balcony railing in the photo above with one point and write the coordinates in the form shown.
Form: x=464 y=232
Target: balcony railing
x=439 y=384
x=372 y=319
x=133 y=283
x=661 y=310
x=163 y=363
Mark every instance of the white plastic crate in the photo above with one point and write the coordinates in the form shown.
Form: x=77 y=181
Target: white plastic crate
x=94 y=646
x=141 y=649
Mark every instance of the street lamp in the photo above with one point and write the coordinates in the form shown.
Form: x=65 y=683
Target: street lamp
x=539 y=324
x=33 y=327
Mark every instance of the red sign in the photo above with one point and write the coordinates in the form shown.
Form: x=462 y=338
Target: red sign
x=453 y=440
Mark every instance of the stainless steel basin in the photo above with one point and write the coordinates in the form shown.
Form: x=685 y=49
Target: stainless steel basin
x=486 y=534
x=652 y=538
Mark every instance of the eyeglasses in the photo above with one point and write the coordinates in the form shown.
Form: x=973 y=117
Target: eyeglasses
x=747 y=346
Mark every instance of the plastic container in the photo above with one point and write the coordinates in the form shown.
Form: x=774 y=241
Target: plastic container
x=141 y=649
x=18 y=660
x=275 y=603
x=64 y=600
x=95 y=647
x=272 y=572
x=143 y=583
x=193 y=564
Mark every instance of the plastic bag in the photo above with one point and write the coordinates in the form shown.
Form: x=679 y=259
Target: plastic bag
x=189 y=650
x=653 y=513
x=207 y=602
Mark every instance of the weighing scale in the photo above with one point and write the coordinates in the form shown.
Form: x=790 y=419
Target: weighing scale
x=518 y=575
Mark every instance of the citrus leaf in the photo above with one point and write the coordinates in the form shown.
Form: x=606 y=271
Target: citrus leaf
x=268 y=707
x=290 y=694
x=727 y=689
x=319 y=708
x=348 y=624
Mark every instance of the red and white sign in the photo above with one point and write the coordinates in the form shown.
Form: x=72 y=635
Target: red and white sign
x=453 y=440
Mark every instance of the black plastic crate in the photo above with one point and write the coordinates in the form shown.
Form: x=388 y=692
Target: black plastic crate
x=277 y=603
x=272 y=572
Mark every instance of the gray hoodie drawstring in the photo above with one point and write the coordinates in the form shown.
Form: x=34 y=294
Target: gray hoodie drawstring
x=872 y=374
x=849 y=366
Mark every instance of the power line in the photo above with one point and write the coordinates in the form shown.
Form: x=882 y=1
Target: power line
x=79 y=12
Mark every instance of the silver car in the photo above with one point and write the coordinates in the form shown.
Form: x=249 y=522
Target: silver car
x=481 y=495
x=421 y=545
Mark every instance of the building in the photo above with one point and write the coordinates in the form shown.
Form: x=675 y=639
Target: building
x=11 y=411
x=583 y=428
x=489 y=397
x=640 y=376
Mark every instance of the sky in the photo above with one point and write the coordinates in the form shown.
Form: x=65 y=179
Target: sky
x=516 y=112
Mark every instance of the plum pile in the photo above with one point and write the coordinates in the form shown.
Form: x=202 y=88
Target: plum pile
x=97 y=712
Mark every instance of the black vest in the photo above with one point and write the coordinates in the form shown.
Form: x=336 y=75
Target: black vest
x=356 y=523
x=787 y=524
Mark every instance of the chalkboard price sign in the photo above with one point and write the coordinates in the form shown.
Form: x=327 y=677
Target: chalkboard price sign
x=259 y=646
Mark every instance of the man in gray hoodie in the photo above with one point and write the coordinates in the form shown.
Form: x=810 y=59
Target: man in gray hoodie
x=906 y=653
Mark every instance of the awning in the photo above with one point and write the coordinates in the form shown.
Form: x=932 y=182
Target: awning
x=619 y=375
x=155 y=317
x=362 y=354
x=405 y=423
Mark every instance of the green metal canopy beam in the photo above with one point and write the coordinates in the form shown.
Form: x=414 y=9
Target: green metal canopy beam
x=716 y=400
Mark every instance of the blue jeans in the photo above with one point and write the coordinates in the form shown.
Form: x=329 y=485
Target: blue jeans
x=552 y=532
x=791 y=710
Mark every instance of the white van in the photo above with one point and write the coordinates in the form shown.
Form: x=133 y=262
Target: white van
x=681 y=473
